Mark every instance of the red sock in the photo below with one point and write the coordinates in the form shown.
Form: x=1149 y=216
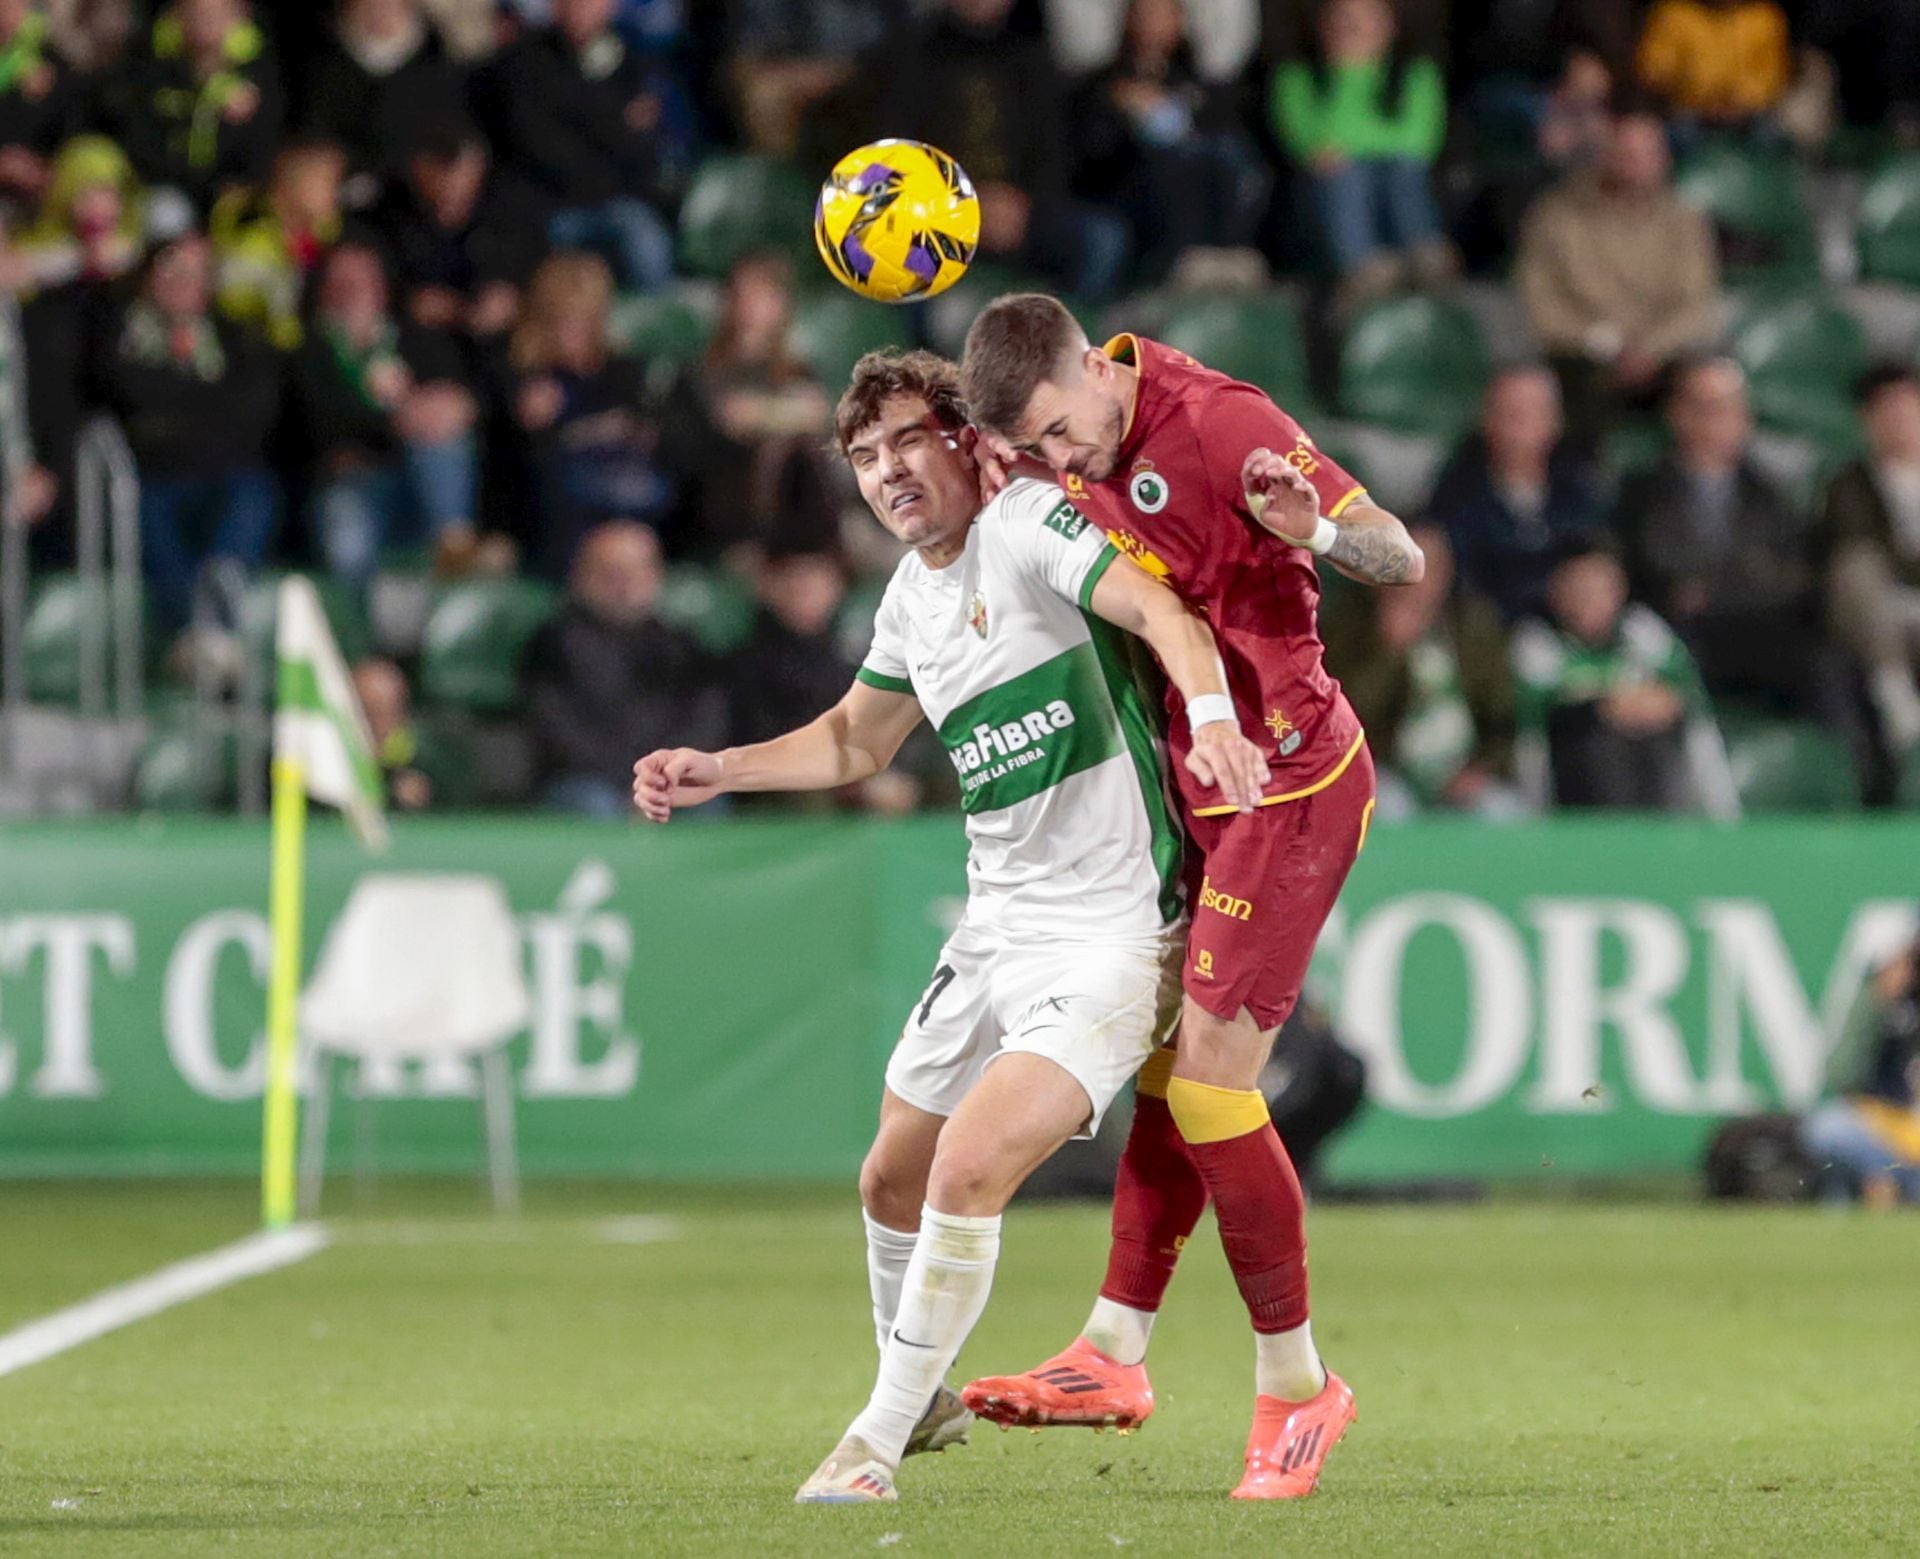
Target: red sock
x=1262 y=1217
x=1158 y=1197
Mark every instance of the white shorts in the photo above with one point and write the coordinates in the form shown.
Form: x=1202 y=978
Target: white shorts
x=1096 y=1010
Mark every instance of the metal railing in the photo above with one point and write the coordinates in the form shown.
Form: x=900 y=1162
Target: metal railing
x=16 y=455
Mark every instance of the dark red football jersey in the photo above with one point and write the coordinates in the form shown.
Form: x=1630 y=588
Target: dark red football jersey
x=1174 y=505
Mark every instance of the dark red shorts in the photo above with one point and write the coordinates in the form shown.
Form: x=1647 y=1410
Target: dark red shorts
x=1262 y=888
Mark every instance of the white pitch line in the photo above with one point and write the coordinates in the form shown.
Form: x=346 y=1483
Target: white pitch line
x=125 y=1303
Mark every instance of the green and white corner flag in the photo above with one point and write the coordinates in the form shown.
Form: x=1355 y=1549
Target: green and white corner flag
x=322 y=749
x=318 y=723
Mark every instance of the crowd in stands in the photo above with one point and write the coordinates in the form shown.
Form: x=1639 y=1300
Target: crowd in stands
x=387 y=285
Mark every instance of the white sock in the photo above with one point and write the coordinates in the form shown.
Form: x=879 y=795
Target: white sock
x=888 y=1252
x=1287 y=1365
x=945 y=1290
x=1119 y=1331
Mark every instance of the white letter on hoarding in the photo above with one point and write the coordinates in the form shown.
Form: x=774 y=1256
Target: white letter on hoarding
x=189 y=1003
x=1749 y=970
x=1575 y=1007
x=1499 y=1003
x=66 y=1068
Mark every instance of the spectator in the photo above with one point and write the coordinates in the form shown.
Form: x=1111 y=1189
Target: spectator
x=66 y=270
x=1609 y=707
x=382 y=81
x=1426 y=670
x=1088 y=35
x=1719 y=552
x=1363 y=116
x=387 y=703
x=606 y=679
x=1619 y=278
x=92 y=34
x=763 y=415
x=201 y=107
x=269 y=241
x=1167 y=146
x=390 y=423
x=1513 y=492
x=41 y=103
x=1870 y=539
x=1719 y=64
x=576 y=116
x=789 y=59
x=966 y=82
x=464 y=242
x=594 y=451
x=792 y=666
x=198 y=397
x=1866 y=1141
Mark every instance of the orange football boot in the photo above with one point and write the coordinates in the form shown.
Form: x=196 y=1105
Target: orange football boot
x=1291 y=1440
x=1081 y=1386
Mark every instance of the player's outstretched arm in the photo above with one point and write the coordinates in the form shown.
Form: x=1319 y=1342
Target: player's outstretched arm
x=1366 y=543
x=852 y=741
x=1129 y=598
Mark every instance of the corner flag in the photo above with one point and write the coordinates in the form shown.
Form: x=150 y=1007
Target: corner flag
x=322 y=749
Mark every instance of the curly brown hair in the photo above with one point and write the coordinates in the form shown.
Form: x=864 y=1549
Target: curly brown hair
x=880 y=376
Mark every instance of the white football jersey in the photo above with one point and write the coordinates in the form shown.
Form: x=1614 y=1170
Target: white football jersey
x=1051 y=716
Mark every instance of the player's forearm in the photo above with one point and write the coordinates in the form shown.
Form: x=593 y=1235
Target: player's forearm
x=1370 y=545
x=1185 y=647
x=822 y=755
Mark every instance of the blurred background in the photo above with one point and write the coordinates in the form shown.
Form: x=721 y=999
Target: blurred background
x=502 y=322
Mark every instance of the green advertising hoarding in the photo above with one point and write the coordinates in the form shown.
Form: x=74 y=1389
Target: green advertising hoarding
x=718 y=998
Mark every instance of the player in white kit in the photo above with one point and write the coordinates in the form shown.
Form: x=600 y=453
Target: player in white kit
x=1007 y=627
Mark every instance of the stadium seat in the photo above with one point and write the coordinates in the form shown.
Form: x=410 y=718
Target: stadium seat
x=1414 y=365
x=739 y=204
x=1788 y=766
x=1803 y=355
x=50 y=642
x=666 y=328
x=1256 y=339
x=181 y=771
x=831 y=330
x=475 y=632
x=260 y=610
x=712 y=606
x=1755 y=203
x=1889 y=223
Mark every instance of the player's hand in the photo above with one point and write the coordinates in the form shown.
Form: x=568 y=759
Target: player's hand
x=674 y=777
x=1278 y=496
x=995 y=458
x=1223 y=758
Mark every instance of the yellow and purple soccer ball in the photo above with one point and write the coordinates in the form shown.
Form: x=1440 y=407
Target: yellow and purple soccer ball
x=896 y=221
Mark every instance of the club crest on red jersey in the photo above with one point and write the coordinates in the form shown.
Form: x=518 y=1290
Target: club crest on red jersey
x=1148 y=489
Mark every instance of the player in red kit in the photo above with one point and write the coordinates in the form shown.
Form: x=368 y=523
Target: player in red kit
x=1219 y=494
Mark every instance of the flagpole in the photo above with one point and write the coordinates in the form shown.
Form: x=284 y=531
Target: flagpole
x=281 y=1125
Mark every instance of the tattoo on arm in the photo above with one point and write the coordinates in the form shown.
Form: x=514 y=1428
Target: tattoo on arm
x=1379 y=554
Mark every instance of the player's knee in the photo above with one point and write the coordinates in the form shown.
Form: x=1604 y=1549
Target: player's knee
x=968 y=1182
x=891 y=1192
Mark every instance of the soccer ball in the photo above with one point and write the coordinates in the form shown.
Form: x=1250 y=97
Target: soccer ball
x=897 y=220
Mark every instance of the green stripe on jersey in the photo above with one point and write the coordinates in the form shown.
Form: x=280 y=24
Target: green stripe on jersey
x=881 y=680
x=1133 y=679
x=1094 y=575
x=1032 y=731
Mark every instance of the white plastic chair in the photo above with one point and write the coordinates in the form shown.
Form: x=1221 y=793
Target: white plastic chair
x=419 y=967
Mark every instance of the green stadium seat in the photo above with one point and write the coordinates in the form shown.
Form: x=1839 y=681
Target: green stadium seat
x=60 y=608
x=475 y=632
x=1414 y=365
x=260 y=611
x=1754 y=200
x=736 y=205
x=712 y=606
x=1889 y=223
x=1256 y=339
x=177 y=772
x=1909 y=793
x=1788 y=766
x=665 y=328
x=1803 y=356
x=832 y=330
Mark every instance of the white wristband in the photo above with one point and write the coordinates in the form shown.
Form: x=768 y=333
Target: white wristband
x=1325 y=534
x=1209 y=707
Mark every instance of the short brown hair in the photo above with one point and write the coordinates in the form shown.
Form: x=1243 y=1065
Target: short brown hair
x=1017 y=343
x=879 y=376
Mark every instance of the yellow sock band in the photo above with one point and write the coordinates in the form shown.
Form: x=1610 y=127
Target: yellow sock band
x=1156 y=1074
x=1205 y=1113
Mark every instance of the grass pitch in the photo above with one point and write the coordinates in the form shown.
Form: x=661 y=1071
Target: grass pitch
x=1533 y=1379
